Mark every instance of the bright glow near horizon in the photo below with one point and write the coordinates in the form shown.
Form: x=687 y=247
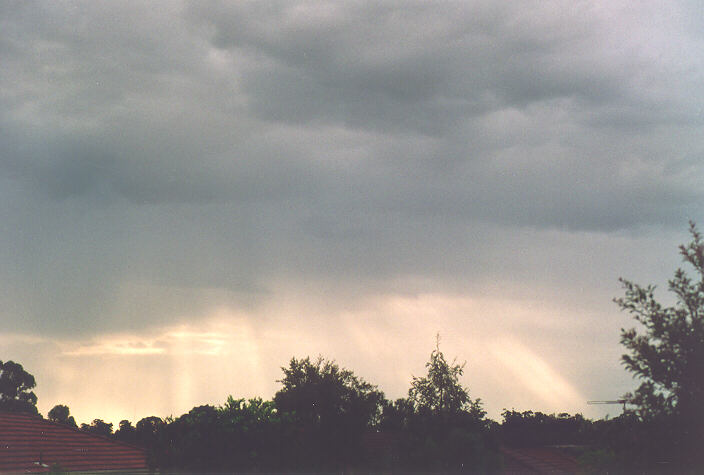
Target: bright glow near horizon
x=232 y=353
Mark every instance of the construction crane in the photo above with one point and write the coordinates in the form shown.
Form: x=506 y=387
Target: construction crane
x=617 y=401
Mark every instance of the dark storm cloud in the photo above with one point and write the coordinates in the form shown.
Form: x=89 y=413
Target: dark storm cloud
x=425 y=66
x=221 y=147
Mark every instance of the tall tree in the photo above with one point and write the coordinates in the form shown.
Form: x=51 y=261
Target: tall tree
x=439 y=426
x=126 y=432
x=440 y=391
x=667 y=353
x=333 y=408
x=149 y=432
x=199 y=438
x=16 y=386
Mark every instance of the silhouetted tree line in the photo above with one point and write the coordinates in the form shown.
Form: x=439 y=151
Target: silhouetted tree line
x=326 y=418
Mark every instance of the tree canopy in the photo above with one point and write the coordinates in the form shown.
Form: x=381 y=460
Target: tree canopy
x=667 y=352
x=61 y=414
x=440 y=391
x=98 y=427
x=320 y=391
x=439 y=425
x=332 y=406
x=16 y=386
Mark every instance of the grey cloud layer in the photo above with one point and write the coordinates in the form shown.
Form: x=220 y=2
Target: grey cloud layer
x=223 y=147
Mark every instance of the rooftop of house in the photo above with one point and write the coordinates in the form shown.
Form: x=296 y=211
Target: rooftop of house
x=31 y=444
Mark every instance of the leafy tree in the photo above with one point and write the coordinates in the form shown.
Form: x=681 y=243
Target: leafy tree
x=148 y=428
x=98 y=427
x=61 y=414
x=256 y=433
x=441 y=391
x=667 y=354
x=199 y=440
x=332 y=407
x=15 y=388
x=397 y=415
x=126 y=432
x=149 y=433
x=439 y=427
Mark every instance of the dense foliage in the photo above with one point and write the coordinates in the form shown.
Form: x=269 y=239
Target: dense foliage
x=439 y=426
x=16 y=386
x=440 y=391
x=667 y=355
x=98 y=427
x=61 y=414
x=331 y=409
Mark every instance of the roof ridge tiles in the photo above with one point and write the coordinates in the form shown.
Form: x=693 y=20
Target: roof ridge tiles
x=28 y=439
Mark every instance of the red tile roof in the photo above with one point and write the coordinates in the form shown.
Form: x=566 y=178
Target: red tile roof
x=29 y=443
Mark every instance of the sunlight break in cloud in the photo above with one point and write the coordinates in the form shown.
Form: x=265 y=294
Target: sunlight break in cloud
x=535 y=374
x=116 y=347
x=227 y=352
x=183 y=340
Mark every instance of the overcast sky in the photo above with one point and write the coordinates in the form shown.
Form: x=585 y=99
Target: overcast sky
x=192 y=193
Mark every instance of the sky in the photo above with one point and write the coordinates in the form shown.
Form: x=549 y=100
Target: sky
x=193 y=193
